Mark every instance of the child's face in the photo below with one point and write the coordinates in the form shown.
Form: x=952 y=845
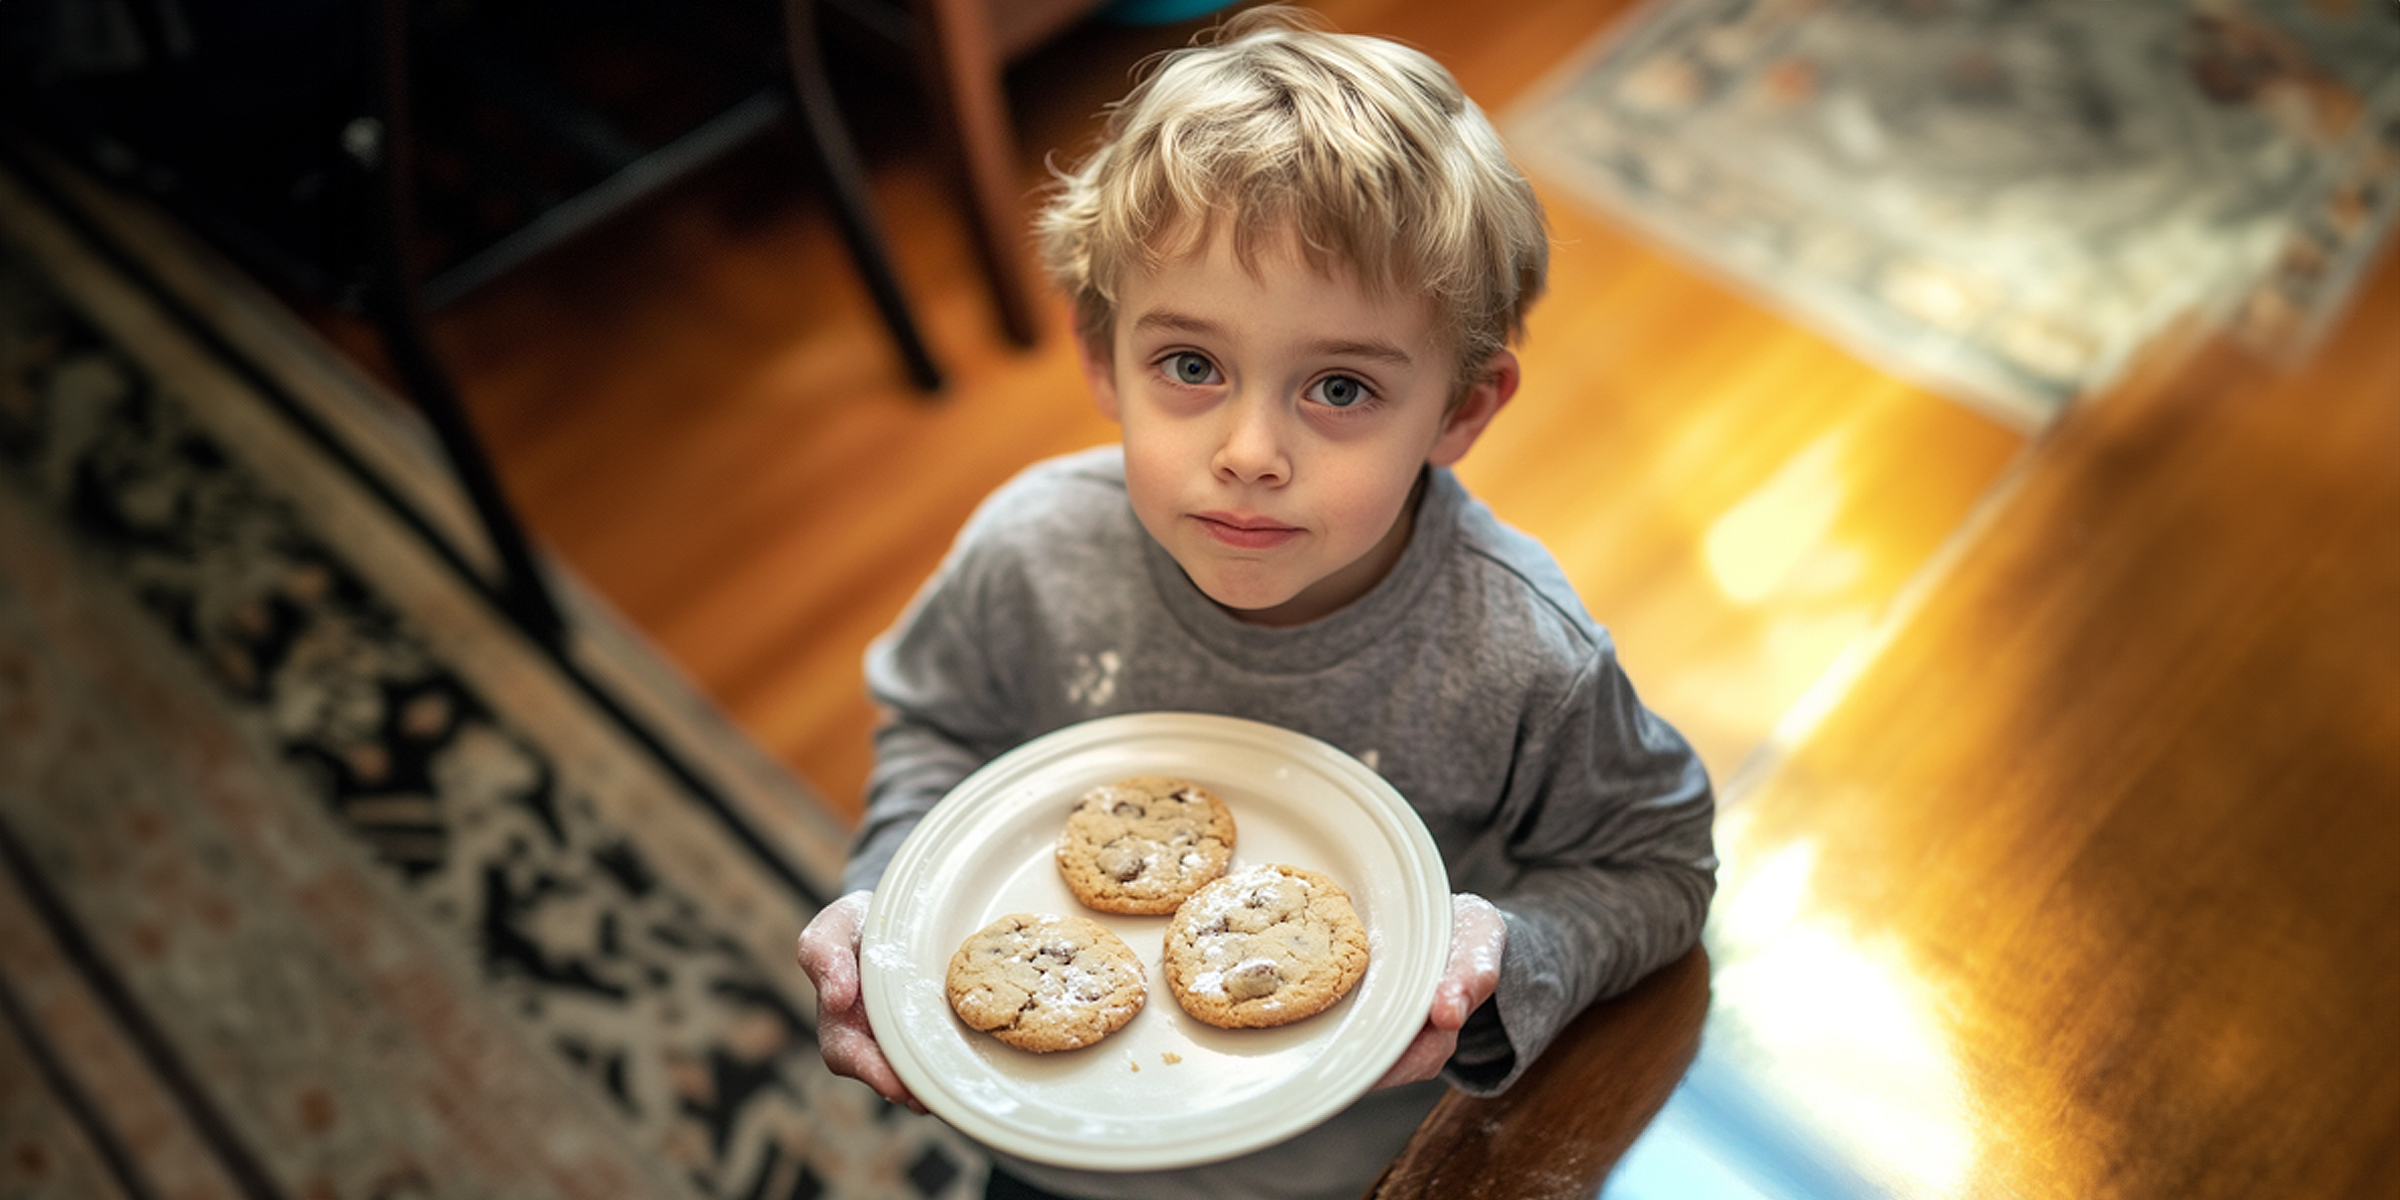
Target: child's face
x=1274 y=424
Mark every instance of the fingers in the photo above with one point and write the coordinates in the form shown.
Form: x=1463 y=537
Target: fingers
x=828 y=952
x=1423 y=1059
x=1478 y=941
x=1478 y=938
x=1452 y=1006
x=850 y=1049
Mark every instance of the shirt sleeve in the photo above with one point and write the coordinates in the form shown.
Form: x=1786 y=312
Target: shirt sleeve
x=945 y=708
x=1607 y=833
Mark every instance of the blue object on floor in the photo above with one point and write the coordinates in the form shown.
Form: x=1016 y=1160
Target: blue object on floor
x=1720 y=1138
x=1158 y=12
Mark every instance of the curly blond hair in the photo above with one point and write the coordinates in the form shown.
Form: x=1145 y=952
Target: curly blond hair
x=1362 y=151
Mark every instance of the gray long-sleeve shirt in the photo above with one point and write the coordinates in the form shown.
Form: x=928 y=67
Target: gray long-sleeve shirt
x=1470 y=678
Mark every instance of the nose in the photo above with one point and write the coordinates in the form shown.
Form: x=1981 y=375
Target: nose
x=1250 y=448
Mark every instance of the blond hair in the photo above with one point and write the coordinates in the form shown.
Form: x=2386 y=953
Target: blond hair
x=1362 y=150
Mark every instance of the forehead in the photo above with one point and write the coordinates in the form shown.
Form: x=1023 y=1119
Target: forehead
x=1273 y=274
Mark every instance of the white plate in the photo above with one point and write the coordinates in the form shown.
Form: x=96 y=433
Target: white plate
x=1165 y=1091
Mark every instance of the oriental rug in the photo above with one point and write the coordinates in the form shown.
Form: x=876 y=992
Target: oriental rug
x=317 y=878
x=2006 y=200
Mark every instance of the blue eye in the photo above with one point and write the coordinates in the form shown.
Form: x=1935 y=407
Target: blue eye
x=1189 y=368
x=1338 y=391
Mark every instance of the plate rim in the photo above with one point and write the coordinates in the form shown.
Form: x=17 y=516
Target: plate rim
x=1425 y=883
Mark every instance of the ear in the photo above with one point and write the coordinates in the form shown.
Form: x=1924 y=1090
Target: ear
x=1485 y=398
x=1099 y=371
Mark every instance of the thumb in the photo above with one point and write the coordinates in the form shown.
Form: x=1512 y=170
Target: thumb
x=1478 y=940
x=828 y=950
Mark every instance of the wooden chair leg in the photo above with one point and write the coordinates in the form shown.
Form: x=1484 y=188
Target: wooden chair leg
x=838 y=165
x=396 y=305
x=961 y=67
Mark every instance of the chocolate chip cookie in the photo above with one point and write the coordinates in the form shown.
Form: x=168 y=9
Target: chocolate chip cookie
x=1266 y=945
x=1046 y=983
x=1142 y=846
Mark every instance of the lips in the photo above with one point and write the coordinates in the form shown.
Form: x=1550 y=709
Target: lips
x=1245 y=533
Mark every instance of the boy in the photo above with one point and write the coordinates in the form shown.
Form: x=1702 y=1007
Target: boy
x=1296 y=261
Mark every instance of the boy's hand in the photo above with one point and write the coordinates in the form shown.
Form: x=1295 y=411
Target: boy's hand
x=1477 y=938
x=829 y=953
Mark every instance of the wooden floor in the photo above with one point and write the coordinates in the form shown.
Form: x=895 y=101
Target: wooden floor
x=2079 y=878
x=2088 y=882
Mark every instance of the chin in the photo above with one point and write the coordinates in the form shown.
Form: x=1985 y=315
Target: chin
x=1248 y=601
x=1245 y=597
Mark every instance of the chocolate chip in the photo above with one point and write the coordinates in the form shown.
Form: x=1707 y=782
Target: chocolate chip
x=1252 y=979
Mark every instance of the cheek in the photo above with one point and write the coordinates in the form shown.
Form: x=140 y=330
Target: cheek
x=1370 y=500
x=1151 y=478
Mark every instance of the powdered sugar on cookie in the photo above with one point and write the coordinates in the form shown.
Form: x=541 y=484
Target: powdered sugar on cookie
x=1265 y=945
x=1142 y=846
x=1046 y=982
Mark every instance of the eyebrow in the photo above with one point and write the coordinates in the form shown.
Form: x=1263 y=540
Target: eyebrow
x=1379 y=351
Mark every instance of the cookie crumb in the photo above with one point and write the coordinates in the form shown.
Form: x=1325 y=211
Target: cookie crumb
x=1169 y=1057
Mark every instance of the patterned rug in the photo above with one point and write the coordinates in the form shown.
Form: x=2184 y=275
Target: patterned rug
x=317 y=880
x=2007 y=200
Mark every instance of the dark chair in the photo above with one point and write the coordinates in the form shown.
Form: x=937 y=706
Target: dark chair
x=492 y=86
x=310 y=139
x=960 y=49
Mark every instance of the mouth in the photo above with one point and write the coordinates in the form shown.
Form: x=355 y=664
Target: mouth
x=1243 y=532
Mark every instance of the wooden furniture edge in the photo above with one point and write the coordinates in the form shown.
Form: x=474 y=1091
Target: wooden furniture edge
x=1564 y=1124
